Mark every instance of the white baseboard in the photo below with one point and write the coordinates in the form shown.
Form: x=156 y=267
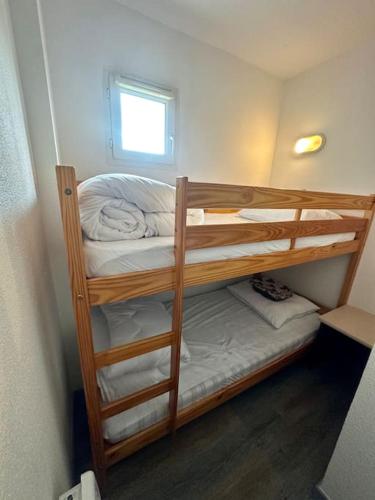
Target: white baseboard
x=322 y=492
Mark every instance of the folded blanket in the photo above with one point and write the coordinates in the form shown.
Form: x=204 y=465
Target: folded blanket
x=127 y=207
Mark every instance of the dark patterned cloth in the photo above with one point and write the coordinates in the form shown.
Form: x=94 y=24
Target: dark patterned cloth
x=270 y=288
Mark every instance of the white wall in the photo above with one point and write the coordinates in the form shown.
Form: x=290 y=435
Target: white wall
x=227 y=110
x=33 y=68
x=34 y=419
x=336 y=98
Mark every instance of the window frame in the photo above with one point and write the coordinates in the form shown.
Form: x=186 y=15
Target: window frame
x=119 y=83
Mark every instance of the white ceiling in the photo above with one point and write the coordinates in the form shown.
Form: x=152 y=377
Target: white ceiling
x=282 y=37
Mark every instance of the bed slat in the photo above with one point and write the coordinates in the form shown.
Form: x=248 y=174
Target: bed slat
x=135 y=399
x=124 y=286
x=116 y=452
x=207 y=236
x=133 y=349
x=204 y=195
x=214 y=271
x=119 y=287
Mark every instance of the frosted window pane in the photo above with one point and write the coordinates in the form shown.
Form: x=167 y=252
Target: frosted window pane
x=142 y=124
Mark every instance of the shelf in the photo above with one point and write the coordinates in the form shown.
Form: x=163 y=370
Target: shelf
x=353 y=322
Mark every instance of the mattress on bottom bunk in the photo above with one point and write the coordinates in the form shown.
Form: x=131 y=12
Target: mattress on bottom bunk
x=227 y=341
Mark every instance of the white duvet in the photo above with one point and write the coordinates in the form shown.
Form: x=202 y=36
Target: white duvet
x=117 y=207
x=134 y=320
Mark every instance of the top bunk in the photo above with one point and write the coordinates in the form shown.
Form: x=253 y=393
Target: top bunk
x=224 y=246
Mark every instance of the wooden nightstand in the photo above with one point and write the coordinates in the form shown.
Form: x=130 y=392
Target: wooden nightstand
x=352 y=322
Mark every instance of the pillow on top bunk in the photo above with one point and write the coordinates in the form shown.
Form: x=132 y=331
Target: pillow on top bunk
x=134 y=320
x=275 y=313
x=276 y=215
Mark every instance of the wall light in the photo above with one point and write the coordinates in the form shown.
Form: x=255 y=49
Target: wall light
x=309 y=144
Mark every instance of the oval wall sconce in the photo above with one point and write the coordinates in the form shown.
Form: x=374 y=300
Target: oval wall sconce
x=309 y=144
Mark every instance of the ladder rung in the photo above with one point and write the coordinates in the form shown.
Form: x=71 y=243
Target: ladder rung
x=127 y=402
x=133 y=349
x=118 y=451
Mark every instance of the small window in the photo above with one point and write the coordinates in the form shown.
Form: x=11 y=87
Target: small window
x=142 y=120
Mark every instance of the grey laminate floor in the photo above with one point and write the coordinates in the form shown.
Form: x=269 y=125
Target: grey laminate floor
x=272 y=442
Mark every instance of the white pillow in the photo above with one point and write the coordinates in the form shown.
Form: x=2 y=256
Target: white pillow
x=135 y=320
x=275 y=313
x=276 y=215
x=267 y=214
x=316 y=214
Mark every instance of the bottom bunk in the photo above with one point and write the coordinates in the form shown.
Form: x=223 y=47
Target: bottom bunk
x=224 y=342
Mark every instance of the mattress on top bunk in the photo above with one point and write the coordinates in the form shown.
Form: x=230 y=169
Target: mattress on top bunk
x=105 y=258
x=226 y=340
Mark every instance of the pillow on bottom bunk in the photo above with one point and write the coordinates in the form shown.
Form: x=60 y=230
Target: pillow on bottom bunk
x=134 y=320
x=275 y=313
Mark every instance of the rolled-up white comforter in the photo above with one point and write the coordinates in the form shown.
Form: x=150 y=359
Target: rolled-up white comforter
x=127 y=207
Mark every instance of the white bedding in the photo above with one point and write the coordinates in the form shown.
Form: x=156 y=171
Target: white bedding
x=226 y=340
x=134 y=320
x=117 y=207
x=105 y=258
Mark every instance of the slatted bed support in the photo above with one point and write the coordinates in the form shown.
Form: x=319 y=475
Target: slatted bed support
x=87 y=292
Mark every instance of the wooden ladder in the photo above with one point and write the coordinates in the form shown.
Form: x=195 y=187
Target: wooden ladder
x=104 y=454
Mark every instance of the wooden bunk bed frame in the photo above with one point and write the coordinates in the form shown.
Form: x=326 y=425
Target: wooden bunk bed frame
x=88 y=292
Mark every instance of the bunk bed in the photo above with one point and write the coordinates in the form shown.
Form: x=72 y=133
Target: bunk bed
x=263 y=252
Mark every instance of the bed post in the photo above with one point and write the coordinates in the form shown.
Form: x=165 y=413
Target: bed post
x=179 y=249
x=297 y=216
x=67 y=187
x=356 y=257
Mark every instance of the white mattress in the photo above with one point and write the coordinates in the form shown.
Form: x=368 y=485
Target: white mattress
x=227 y=341
x=105 y=258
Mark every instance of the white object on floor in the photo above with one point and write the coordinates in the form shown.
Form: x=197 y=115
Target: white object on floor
x=87 y=489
